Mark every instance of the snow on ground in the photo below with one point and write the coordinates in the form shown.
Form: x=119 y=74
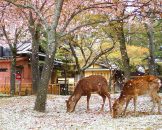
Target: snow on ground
x=17 y=113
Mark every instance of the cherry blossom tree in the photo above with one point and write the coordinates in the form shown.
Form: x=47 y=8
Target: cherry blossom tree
x=12 y=28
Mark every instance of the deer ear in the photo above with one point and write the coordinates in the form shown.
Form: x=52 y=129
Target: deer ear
x=150 y=78
x=73 y=98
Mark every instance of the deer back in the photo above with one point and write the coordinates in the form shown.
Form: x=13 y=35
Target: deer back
x=93 y=83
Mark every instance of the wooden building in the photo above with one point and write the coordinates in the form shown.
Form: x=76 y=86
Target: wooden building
x=23 y=75
x=95 y=69
x=98 y=69
x=23 y=70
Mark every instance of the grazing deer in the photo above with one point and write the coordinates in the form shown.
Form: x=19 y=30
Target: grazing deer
x=133 y=88
x=84 y=87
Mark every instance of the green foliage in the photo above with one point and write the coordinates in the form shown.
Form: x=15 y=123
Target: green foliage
x=136 y=54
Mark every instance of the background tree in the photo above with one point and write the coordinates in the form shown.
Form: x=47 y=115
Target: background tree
x=148 y=13
x=11 y=24
x=87 y=48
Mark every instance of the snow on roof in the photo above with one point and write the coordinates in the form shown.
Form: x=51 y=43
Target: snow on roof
x=24 y=46
x=21 y=47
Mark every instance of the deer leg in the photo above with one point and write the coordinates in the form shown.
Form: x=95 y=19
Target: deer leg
x=154 y=102
x=102 y=107
x=135 y=105
x=153 y=106
x=108 y=96
x=127 y=102
x=88 y=97
x=158 y=99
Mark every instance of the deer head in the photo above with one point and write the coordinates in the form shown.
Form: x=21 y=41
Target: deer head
x=116 y=109
x=70 y=104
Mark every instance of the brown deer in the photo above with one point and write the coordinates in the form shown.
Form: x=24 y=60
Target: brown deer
x=84 y=87
x=133 y=88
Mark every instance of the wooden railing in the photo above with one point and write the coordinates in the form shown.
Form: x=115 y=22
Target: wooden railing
x=54 y=89
x=26 y=89
x=20 y=89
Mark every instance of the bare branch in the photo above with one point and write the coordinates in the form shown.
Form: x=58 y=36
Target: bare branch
x=98 y=56
x=90 y=49
x=45 y=24
x=19 y=5
x=5 y=34
x=83 y=25
x=58 y=8
x=84 y=9
x=75 y=56
x=41 y=8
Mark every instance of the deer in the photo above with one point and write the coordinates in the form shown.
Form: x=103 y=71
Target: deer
x=143 y=85
x=84 y=87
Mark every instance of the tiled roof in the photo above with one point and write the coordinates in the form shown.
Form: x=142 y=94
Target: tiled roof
x=24 y=48
x=21 y=47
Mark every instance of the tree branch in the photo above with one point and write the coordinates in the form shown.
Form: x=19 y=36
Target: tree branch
x=5 y=34
x=75 y=56
x=98 y=56
x=58 y=8
x=80 y=26
x=84 y=9
x=45 y=24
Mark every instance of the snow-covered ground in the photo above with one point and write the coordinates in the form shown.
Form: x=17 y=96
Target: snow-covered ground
x=17 y=113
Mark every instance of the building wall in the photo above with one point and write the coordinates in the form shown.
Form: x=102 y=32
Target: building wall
x=26 y=70
x=97 y=70
x=4 y=75
x=23 y=83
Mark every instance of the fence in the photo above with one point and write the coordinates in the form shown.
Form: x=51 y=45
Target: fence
x=20 y=89
x=54 y=89
x=26 y=89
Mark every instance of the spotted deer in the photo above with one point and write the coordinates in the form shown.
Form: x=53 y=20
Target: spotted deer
x=133 y=88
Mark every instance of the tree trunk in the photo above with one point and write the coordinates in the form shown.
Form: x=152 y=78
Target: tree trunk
x=123 y=51
x=35 y=61
x=151 y=59
x=43 y=85
x=35 y=66
x=13 y=71
x=52 y=40
x=35 y=33
x=65 y=73
x=40 y=103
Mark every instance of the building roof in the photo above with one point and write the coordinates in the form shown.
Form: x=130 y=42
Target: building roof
x=96 y=69
x=23 y=48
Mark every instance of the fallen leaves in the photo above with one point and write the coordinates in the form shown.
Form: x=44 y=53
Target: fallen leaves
x=17 y=113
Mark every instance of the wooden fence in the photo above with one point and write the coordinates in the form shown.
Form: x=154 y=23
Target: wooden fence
x=26 y=89
x=54 y=89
